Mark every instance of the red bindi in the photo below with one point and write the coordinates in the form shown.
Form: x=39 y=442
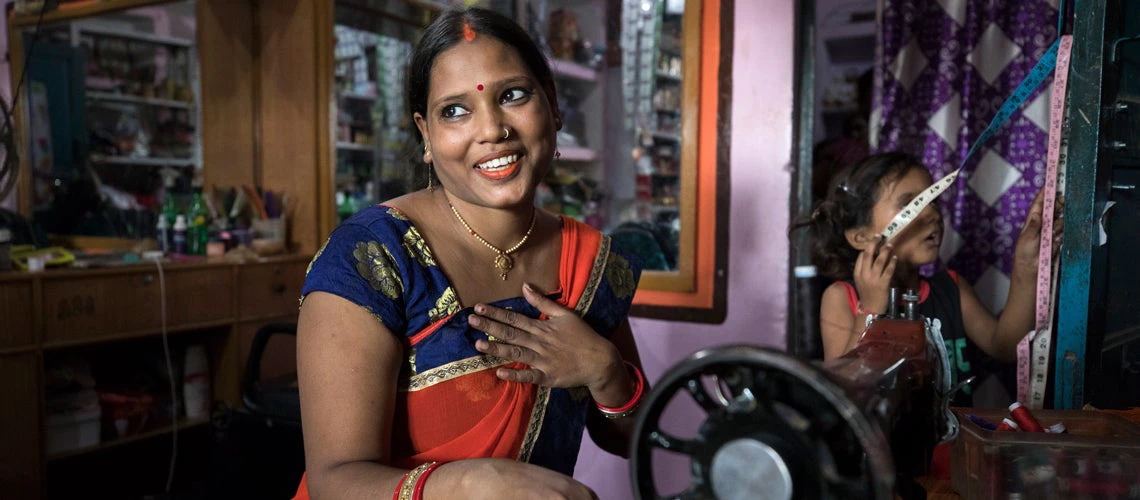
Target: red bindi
x=468 y=33
x=480 y=87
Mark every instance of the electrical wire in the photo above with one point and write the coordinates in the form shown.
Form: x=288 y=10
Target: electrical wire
x=7 y=129
x=170 y=375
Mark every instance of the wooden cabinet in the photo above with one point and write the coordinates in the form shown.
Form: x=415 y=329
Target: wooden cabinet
x=86 y=308
x=19 y=417
x=272 y=289
x=81 y=308
x=15 y=323
x=106 y=312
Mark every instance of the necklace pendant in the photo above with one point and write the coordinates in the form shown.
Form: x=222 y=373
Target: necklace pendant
x=504 y=263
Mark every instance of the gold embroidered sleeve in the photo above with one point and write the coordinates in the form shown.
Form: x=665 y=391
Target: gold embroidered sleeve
x=417 y=248
x=620 y=276
x=376 y=265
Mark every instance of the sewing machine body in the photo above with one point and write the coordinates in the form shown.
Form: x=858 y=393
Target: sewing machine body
x=858 y=426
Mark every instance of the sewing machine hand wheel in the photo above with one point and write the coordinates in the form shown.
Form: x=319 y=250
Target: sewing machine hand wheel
x=774 y=427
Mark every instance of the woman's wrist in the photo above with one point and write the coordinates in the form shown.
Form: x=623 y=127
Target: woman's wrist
x=629 y=405
x=615 y=387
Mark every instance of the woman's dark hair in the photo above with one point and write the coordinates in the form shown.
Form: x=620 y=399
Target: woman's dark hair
x=849 y=203
x=449 y=29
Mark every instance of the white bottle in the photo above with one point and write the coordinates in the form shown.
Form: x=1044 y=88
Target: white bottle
x=179 y=238
x=196 y=382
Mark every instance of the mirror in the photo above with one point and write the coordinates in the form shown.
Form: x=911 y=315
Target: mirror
x=643 y=105
x=107 y=116
x=679 y=109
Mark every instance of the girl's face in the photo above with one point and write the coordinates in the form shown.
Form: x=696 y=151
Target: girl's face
x=489 y=129
x=918 y=243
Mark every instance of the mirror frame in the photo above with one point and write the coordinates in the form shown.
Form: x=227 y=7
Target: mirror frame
x=698 y=290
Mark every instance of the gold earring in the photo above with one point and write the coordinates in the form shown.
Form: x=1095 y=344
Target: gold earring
x=431 y=184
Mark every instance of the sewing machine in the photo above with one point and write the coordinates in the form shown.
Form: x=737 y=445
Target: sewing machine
x=776 y=427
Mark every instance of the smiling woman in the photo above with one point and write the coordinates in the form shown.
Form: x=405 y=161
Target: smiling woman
x=464 y=295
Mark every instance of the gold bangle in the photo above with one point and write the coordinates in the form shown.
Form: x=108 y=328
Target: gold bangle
x=408 y=484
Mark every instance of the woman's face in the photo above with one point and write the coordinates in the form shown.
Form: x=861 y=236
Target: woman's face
x=489 y=129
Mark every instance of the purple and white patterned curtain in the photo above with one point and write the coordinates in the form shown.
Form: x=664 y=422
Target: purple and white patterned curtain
x=943 y=69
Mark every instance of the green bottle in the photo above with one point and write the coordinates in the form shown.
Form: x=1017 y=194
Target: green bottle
x=198 y=234
x=170 y=213
x=344 y=206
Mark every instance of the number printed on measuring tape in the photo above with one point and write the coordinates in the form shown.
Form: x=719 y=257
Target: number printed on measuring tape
x=1033 y=366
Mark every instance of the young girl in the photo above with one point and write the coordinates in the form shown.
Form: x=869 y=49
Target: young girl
x=845 y=230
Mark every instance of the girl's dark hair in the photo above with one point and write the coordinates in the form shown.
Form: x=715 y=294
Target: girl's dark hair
x=849 y=203
x=448 y=30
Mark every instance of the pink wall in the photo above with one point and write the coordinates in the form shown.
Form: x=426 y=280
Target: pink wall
x=763 y=76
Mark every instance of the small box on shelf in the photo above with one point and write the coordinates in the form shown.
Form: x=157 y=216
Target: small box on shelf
x=577 y=154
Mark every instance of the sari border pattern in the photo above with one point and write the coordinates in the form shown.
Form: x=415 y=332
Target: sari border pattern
x=450 y=371
x=596 y=274
x=534 y=428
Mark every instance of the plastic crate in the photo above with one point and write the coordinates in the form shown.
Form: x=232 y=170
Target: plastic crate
x=1099 y=457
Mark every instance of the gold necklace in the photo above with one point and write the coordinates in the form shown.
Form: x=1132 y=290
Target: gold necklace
x=503 y=260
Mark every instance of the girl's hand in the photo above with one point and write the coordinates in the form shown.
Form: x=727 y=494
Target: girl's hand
x=561 y=351
x=1028 y=247
x=873 y=277
x=498 y=478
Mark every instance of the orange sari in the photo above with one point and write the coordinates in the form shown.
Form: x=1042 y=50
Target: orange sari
x=450 y=405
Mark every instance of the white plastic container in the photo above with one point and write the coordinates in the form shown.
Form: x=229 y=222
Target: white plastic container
x=73 y=430
x=196 y=382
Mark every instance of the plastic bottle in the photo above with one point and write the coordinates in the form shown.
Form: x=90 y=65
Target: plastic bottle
x=196 y=382
x=169 y=213
x=179 y=238
x=197 y=235
x=345 y=206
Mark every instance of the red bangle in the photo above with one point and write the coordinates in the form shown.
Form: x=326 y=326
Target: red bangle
x=418 y=492
x=629 y=407
x=400 y=486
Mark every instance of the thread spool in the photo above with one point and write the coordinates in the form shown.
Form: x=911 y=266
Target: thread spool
x=1024 y=418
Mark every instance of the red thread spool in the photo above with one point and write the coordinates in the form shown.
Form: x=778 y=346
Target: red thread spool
x=1024 y=418
x=1007 y=425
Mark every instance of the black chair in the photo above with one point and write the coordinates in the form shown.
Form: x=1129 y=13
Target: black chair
x=260 y=453
x=275 y=399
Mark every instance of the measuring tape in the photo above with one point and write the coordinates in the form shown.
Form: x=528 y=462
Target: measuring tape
x=1043 y=317
x=1033 y=80
x=1033 y=367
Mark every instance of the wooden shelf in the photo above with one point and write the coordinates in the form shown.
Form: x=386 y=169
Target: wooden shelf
x=351 y=146
x=574 y=153
x=146 y=162
x=148 y=101
x=81 y=10
x=118 y=337
x=573 y=70
x=142 y=436
x=139 y=37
